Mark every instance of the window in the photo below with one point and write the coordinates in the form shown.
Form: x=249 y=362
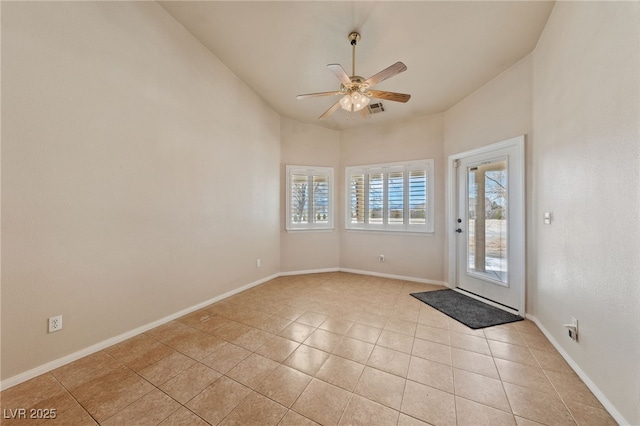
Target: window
x=309 y=198
x=390 y=197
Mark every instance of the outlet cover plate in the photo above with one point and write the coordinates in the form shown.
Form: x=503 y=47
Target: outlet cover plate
x=55 y=323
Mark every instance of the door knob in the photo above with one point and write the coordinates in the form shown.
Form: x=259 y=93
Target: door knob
x=459 y=231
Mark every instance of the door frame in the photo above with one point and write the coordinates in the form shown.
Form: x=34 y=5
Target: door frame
x=518 y=256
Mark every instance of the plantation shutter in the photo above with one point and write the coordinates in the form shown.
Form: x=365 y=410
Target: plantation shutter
x=390 y=197
x=309 y=198
x=356 y=194
x=320 y=198
x=396 y=196
x=376 y=197
x=417 y=197
x=299 y=198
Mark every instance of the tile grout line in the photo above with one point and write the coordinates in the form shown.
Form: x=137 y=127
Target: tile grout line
x=319 y=299
x=493 y=359
x=73 y=396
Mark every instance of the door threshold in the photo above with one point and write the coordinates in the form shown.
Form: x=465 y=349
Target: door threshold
x=493 y=303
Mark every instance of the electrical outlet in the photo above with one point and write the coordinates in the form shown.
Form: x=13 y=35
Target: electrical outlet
x=55 y=323
x=258 y=263
x=573 y=329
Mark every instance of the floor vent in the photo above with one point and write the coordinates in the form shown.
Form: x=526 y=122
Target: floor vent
x=376 y=108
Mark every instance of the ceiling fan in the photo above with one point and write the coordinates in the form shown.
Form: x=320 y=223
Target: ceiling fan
x=355 y=89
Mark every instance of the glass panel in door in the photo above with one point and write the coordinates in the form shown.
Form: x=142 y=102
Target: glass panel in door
x=487 y=218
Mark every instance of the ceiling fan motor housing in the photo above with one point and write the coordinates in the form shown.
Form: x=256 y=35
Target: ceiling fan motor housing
x=357 y=85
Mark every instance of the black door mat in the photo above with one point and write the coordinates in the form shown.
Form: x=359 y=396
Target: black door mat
x=470 y=312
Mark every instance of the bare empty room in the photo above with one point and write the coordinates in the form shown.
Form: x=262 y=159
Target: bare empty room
x=218 y=212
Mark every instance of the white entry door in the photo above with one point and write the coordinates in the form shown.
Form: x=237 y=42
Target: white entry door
x=488 y=224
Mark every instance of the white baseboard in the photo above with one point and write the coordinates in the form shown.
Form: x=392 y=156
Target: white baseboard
x=52 y=365
x=585 y=378
x=361 y=272
x=395 y=277
x=309 y=271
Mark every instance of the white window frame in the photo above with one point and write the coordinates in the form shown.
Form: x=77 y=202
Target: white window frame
x=310 y=171
x=406 y=167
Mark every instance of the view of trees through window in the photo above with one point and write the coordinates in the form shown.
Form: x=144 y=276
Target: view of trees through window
x=487 y=216
x=309 y=204
x=393 y=197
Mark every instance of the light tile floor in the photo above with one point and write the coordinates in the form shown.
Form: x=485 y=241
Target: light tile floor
x=330 y=348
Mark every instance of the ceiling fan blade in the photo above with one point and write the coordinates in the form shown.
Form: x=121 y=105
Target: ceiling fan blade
x=364 y=113
x=390 y=96
x=339 y=72
x=330 y=111
x=315 y=95
x=386 y=73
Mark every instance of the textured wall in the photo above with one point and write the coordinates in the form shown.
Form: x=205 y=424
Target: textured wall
x=130 y=175
x=308 y=145
x=413 y=255
x=499 y=110
x=586 y=157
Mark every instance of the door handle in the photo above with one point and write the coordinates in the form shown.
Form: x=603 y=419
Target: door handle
x=459 y=231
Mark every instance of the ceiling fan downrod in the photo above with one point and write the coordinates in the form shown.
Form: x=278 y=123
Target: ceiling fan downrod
x=354 y=38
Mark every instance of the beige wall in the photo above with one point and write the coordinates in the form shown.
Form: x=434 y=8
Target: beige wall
x=499 y=110
x=308 y=145
x=411 y=255
x=586 y=162
x=576 y=98
x=120 y=132
x=130 y=175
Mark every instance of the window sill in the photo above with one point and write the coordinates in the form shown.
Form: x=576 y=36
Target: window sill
x=301 y=230
x=388 y=232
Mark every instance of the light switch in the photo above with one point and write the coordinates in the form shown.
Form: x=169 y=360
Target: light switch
x=547 y=218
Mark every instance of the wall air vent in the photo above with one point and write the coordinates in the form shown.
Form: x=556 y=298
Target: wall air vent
x=376 y=108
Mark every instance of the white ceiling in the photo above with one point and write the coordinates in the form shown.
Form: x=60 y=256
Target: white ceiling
x=281 y=48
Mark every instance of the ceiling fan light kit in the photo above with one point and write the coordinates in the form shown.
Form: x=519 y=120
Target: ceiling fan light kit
x=354 y=102
x=355 y=89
